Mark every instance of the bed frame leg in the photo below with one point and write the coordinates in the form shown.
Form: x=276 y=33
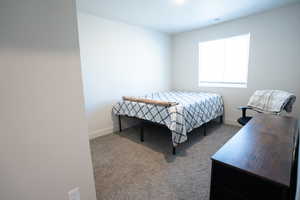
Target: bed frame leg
x=142 y=133
x=174 y=150
x=120 y=125
x=204 y=129
x=221 y=119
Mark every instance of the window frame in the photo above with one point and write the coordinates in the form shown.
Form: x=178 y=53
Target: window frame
x=221 y=83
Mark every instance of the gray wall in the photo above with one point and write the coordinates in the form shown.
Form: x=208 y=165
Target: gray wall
x=44 y=150
x=274 y=56
x=117 y=60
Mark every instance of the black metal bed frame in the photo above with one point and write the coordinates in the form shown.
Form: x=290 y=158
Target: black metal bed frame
x=157 y=124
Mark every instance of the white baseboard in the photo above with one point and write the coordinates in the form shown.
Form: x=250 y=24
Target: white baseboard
x=110 y=130
x=232 y=122
x=101 y=132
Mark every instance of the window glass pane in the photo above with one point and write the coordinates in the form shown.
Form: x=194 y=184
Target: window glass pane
x=236 y=62
x=211 y=61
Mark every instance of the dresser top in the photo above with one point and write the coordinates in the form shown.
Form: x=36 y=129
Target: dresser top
x=264 y=148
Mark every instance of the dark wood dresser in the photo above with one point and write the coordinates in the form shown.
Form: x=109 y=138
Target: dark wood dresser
x=259 y=162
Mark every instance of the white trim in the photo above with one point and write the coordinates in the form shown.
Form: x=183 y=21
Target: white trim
x=233 y=85
x=100 y=132
x=110 y=130
x=232 y=122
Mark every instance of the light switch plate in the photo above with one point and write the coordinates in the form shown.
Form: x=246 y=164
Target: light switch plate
x=74 y=194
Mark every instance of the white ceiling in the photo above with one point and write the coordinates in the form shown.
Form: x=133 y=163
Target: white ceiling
x=170 y=17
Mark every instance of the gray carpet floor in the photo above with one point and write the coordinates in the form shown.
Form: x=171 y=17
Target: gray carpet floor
x=126 y=168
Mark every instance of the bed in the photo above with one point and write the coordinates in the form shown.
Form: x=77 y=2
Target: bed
x=187 y=111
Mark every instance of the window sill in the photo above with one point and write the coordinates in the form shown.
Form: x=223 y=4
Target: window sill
x=229 y=85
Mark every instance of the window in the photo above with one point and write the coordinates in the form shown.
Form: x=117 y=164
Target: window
x=224 y=62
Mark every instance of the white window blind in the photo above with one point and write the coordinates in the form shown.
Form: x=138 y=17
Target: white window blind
x=224 y=62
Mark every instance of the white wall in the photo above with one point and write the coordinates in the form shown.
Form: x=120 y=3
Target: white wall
x=44 y=150
x=274 y=56
x=117 y=60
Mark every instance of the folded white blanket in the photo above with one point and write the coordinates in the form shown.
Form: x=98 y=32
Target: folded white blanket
x=272 y=101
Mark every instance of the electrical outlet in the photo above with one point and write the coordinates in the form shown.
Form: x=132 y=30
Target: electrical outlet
x=74 y=194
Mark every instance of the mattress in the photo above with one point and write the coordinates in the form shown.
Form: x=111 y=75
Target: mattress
x=193 y=110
